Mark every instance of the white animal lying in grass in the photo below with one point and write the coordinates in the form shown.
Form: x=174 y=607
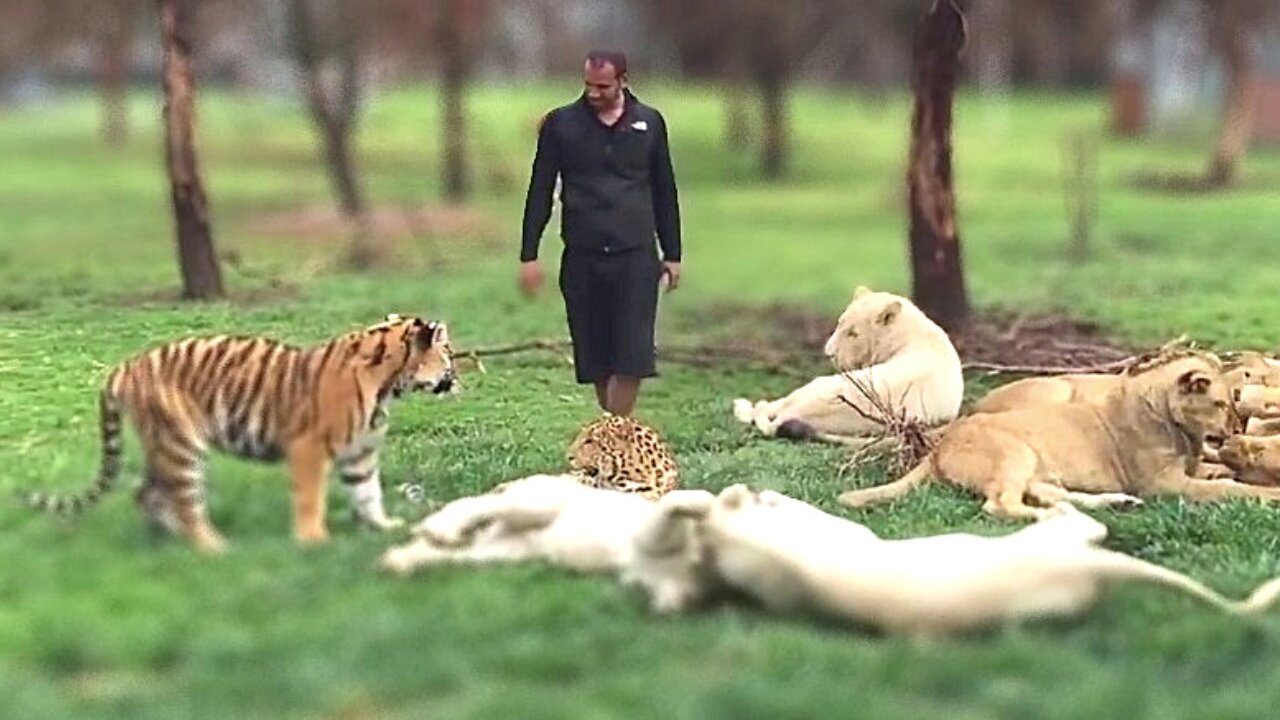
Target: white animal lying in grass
x=558 y=520
x=892 y=352
x=792 y=557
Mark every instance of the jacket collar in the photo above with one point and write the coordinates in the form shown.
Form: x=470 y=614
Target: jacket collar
x=629 y=103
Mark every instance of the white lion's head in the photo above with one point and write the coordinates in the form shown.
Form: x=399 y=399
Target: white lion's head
x=875 y=327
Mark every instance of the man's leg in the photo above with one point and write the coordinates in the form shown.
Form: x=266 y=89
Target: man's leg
x=602 y=393
x=622 y=393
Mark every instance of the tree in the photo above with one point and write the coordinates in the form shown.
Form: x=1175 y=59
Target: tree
x=201 y=274
x=937 y=272
x=457 y=29
x=116 y=47
x=1233 y=38
x=333 y=105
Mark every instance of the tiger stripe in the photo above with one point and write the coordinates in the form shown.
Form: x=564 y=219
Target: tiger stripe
x=257 y=398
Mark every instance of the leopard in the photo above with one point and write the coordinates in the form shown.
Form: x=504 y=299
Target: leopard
x=618 y=452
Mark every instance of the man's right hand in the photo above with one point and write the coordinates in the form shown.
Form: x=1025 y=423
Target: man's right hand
x=530 y=277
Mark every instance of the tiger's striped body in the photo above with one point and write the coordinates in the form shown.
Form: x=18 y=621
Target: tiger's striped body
x=260 y=399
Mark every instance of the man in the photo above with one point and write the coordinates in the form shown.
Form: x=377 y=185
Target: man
x=618 y=191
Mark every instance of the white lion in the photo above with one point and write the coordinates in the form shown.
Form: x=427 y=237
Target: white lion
x=887 y=346
x=793 y=557
x=558 y=520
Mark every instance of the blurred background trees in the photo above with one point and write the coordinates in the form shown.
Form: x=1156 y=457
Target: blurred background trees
x=1168 y=66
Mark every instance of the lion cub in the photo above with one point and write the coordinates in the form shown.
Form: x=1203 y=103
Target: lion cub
x=1146 y=438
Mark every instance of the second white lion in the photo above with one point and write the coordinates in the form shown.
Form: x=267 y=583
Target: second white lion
x=885 y=344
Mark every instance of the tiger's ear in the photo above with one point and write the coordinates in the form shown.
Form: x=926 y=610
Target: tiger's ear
x=424 y=334
x=432 y=333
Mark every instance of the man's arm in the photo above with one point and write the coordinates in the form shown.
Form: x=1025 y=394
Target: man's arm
x=666 y=204
x=542 y=183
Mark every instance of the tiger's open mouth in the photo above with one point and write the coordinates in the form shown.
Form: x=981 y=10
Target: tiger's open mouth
x=437 y=387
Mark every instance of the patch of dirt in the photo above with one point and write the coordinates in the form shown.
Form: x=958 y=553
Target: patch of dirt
x=1192 y=183
x=991 y=338
x=788 y=328
x=324 y=222
x=274 y=292
x=1048 y=340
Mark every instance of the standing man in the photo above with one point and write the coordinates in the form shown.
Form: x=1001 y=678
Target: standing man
x=618 y=191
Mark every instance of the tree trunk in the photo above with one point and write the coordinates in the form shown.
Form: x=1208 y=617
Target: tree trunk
x=201 y=275
x=737 y=125
x=456 y=66
x=992 y=49
x=333 y=116
x=1048 y=43
x=114 y=71
x=773 y=151
x=1234 y=41
x=937 y=271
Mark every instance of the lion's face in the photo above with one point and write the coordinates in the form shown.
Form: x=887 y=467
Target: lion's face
x=1254 y=459
x=1200 y=403
x=870 y=330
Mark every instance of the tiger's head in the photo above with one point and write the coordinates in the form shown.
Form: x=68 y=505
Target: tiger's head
x=415 y=353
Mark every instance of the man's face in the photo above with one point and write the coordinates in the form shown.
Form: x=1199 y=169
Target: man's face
x=603 y=86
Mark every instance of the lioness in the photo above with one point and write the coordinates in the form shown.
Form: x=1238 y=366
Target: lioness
x=1246 y=374
x=887 y=345
x=1254 y=460
x=1144 y=439
x=556 y=519
x=793 y=557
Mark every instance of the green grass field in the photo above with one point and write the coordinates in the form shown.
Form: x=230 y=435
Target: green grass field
x=100 y=619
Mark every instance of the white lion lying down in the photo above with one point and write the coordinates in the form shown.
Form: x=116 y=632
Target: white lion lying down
x=793 y=557
x=558 y=520
x=888 y=346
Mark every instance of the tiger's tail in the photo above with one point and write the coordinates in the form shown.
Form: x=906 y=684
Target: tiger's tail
x=108 y=471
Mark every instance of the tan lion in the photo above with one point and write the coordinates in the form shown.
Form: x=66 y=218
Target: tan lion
x=1254 y=460
x=1247 y=374
x=1145 y=439
x=887 y=345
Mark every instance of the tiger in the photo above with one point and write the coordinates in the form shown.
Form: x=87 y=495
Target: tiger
x=256 y=398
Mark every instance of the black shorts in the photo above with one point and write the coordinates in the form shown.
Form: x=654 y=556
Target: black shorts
x=611 y=300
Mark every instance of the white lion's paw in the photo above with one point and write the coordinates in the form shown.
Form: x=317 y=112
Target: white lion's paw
x=743 y=409
x=442 y=530
x=386 y=523
x=397 y=560
x=1122 y=501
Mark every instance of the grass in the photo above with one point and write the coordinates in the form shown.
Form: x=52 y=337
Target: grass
x=99 y=619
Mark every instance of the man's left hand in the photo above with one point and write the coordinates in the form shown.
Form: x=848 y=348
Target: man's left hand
x=671 y=271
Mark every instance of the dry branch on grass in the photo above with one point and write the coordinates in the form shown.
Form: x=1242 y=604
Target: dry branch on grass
x=703 y=356
x=788 y=364
x=901 y=440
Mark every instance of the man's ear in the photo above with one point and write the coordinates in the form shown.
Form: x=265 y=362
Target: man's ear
x=890 y=313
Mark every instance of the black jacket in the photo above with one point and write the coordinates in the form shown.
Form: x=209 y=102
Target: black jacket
x=617 y=185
